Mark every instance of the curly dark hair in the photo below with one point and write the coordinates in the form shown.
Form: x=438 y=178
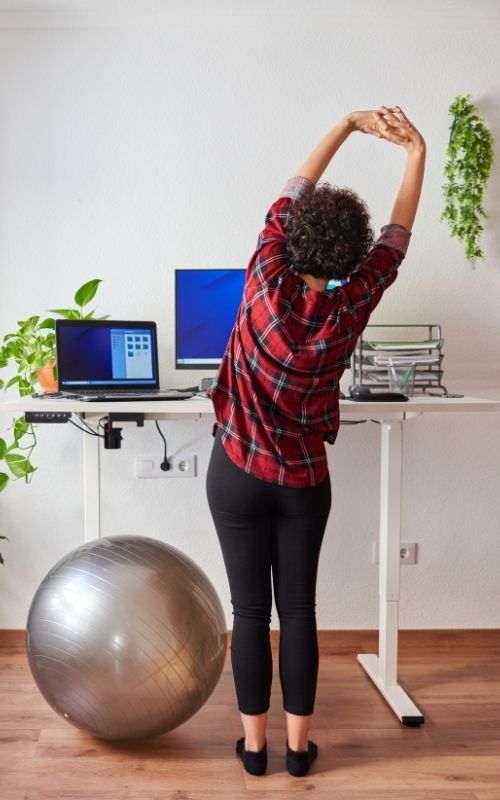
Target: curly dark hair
x=329 y=233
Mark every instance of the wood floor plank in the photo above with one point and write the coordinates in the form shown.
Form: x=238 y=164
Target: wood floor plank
x=193 y=772
x=18 y=743
x=231 y=793
x=487 y=795
x=365 y=752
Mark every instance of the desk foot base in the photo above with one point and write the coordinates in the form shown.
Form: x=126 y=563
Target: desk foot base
x=398 y=700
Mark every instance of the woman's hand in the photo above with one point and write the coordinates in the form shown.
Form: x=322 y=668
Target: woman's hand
x=386 y=123
x=393 y=125
x=362 y=121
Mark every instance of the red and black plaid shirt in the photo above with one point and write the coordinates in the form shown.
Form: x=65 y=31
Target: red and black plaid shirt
x=276 y=393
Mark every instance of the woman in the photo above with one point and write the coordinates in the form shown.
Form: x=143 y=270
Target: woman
x=276 y=401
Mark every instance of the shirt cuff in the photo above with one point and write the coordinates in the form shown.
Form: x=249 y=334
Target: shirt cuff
x=297 y=187
x=395 y=236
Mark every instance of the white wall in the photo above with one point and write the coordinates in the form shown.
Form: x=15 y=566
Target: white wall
x=141 y=137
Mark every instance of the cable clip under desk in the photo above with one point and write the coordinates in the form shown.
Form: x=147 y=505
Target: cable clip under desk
x=113 y=436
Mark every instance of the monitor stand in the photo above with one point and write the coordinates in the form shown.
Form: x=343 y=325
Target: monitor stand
x=203 y=386
x=206 y=384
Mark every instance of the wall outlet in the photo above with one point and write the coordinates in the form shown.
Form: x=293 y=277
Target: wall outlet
x=181 y=466
x=407 y=553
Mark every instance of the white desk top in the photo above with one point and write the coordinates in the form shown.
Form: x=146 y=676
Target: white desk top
x=199 y=405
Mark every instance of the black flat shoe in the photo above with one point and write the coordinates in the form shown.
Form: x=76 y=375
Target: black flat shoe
x=299 y=761
x=254 y=761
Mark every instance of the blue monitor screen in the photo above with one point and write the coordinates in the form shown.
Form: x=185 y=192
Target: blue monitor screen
x=206 y=303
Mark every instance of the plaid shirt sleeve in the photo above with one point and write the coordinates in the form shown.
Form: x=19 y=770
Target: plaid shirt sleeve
x=272 y=238
x=364 y=290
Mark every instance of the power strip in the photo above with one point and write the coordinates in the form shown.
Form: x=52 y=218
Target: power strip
x=47 y=416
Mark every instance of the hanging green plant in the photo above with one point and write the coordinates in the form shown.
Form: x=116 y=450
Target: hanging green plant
x=470 y=158
x=29 y=349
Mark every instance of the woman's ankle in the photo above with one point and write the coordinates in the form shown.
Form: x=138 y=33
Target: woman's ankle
x=254 y=745
x=299 y=763
x=298 y=727
x=254 y=763
x=254 y=727
x=298 y=745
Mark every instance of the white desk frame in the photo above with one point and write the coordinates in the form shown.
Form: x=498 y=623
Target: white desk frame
x=381 y=668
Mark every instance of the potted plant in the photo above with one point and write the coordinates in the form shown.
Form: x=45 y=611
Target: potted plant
x=32 y=345
x=31 y=348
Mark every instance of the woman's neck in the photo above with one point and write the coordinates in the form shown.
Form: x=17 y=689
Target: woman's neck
x=319 y=284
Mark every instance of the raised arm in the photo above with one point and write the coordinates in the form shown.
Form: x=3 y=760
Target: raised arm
x=391 y=122
x=387 y=123
x=365 y=121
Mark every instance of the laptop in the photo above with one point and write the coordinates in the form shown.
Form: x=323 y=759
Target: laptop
x=109 y=360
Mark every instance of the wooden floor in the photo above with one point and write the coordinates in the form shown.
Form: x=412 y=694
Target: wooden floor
x=365 y=752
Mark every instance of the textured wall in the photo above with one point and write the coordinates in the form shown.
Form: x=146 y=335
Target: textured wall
x=135 y=141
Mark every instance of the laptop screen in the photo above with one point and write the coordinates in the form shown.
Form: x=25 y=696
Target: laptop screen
x=104 y=354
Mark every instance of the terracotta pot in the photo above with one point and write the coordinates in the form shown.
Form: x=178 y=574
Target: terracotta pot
x=46 y=377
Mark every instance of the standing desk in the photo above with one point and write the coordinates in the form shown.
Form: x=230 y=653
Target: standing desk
x=381 y=667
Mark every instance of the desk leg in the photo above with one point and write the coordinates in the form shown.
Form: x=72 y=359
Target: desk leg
x=382 y=669
x=91 y=488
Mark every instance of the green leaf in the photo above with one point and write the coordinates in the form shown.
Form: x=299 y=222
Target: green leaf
x=21 y=428
x=4 y=479
x=3 y=448
x=12 y=381
x=48 y=323
x=87 y=292
x=31 y=322
x=26 y=388
x=67 y=313
x=41 y=362
x=18 y=465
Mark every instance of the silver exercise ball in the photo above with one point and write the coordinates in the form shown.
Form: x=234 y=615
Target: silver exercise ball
x=126 y=637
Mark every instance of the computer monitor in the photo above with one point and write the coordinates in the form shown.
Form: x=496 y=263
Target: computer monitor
x=206 y=305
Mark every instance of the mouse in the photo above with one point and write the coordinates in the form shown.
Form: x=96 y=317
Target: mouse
x=360 y=391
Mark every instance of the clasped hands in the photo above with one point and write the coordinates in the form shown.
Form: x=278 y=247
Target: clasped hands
x=390 y=123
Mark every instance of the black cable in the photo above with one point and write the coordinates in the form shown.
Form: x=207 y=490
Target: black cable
x=89 y=427
x=85 y=430
x=165 y=466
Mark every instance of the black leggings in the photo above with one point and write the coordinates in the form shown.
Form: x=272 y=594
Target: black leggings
x=265 y=529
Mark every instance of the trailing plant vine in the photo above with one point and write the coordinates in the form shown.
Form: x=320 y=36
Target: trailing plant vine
x=470 y=158
x=29 y=348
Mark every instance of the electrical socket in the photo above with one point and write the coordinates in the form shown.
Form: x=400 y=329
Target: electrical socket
x=407 y=553
x=181 y=466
